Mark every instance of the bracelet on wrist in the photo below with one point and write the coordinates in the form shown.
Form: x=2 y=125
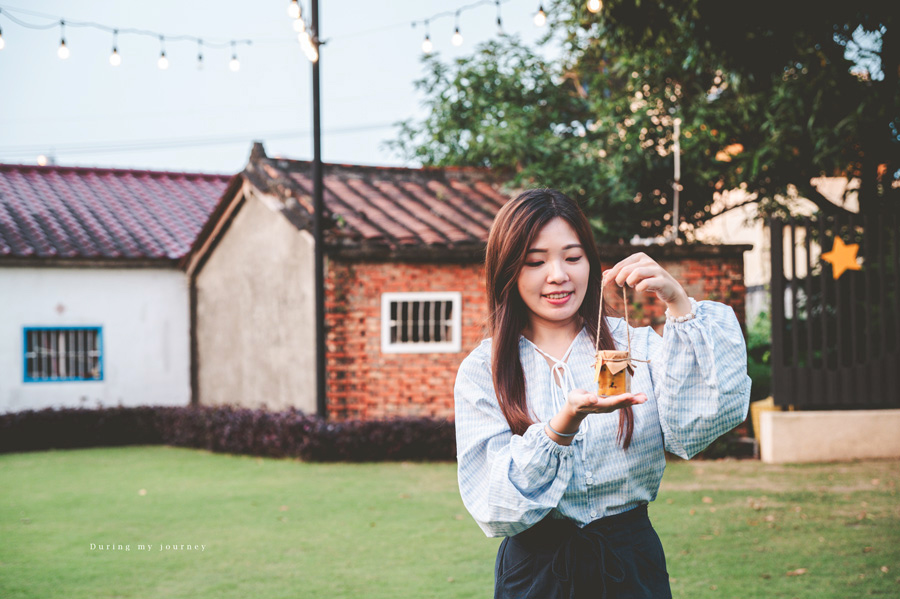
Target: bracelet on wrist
x=690 y=316
x=559 y=434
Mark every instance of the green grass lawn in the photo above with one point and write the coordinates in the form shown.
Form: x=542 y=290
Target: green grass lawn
x=282 y=528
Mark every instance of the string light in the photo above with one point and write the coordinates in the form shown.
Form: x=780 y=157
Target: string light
x=594 y=5
x=63 y=51
x=114 y=58
x=235 y=64
x=457 y=38
x=309 y=47
x=2 y=43
x=540 y=18
x=163 y=62
x=427 y=46
x=310 y=43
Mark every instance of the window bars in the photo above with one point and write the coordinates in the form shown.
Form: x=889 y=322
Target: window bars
x=63 y=354
x=421 y=322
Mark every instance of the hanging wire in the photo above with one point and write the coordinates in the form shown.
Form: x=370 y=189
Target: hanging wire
x=109 y=29
x=457 y=38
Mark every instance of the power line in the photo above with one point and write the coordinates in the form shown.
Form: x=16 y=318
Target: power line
x=171 y=144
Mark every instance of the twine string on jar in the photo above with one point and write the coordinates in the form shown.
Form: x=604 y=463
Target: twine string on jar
x=627 y=330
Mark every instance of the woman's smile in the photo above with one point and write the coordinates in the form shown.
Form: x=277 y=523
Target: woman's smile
x=559 y=298
x=554 y=276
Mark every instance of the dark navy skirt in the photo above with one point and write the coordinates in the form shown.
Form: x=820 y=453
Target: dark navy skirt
x=617 y=557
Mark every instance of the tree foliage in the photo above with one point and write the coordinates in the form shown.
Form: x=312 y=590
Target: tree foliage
x=769 y=96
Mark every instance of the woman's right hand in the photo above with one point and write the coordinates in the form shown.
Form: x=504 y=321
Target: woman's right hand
x=582 y=402
x=579 y=404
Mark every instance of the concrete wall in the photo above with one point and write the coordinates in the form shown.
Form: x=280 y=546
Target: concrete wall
x=829 y=436
x=145 y=333
x=256 y=315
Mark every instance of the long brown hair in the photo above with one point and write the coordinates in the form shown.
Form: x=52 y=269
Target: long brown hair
x=515 y=227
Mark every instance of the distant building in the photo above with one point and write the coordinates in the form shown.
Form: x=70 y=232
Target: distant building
x=404 y=299
x=146 y=288
x=93 y=302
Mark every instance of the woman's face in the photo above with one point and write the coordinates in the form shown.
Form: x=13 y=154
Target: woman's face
x=554 y=278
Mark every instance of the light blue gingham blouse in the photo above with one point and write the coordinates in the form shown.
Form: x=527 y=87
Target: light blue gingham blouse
x=697 y=389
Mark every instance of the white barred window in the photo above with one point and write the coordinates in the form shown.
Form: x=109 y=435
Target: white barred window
x=418 y=323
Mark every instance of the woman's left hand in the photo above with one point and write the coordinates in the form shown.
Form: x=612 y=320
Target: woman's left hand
x=643 y=273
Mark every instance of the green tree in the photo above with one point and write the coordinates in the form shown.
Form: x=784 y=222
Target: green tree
x=769 y=95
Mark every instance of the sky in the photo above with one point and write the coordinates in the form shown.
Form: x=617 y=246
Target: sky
x=83 y=111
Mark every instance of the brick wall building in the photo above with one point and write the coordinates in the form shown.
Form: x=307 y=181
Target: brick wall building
x=404 y=288
x=364 y=382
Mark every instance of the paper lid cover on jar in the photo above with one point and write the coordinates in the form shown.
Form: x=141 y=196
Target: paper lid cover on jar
x=615 y=361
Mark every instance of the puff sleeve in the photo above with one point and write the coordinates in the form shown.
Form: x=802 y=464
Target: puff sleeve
x=507 y=482
x=699 y=375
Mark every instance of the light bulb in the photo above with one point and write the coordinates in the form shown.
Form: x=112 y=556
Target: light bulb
x=309 y=49
x=163 y=62
x=42 y=160
x=299 y=25
x=457 y=38
x=2 y=43
x=235 y=64
x=294 y=9
x=63 y=51
x=540 y=19
x=594 y=5
x=115 y=59
x=427 y=46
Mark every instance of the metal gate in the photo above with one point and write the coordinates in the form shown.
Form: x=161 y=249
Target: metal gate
x=836 y=342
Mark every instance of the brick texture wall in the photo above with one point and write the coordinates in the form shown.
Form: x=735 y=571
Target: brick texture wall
x=365 y=383
x=705 y=273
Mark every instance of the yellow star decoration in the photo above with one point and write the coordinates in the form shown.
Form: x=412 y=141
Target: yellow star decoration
x=842 y=257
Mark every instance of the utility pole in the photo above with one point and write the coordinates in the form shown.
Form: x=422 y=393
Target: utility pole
x=677 y=185
x=318 y=207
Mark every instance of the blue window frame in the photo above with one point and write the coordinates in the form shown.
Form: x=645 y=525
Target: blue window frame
x=54 y=354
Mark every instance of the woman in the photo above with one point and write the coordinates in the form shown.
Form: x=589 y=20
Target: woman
x=563 y=474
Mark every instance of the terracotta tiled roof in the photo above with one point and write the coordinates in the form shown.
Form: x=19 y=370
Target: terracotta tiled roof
x=71 y=212
x=384 y=208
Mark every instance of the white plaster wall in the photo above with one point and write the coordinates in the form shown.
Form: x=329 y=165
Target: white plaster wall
x=144 y=315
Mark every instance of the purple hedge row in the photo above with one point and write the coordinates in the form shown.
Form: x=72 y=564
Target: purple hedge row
x=231 y=430
x=289 y=434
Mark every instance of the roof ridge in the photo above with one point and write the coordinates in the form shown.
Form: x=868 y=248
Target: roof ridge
x=110 y=169
x=419 y=170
